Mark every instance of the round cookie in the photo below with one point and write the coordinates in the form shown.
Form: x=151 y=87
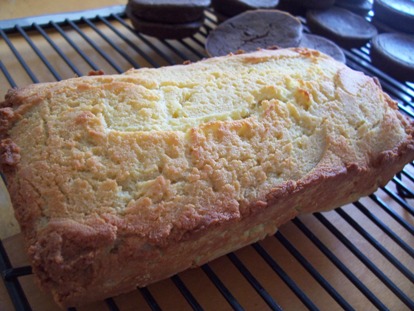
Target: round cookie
x=168 y=11
x=221 y=17
x=299 y=8
x=399 y=14
x=382 y=26
x=393 y=54
x=323 y=45
x=361 y=7
x=165 y=31
x=345 y=28
x=252 y=30
x=313 y=4
x=231 y=8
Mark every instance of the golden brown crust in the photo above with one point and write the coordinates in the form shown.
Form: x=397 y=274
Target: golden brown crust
x=9 y=153
x=128 y=179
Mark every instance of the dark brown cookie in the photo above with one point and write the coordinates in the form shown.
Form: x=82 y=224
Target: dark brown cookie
x=398 y=14
x=231 y=8
x=361 y=7
x=393 y=54
x=323 y=45
x=221 y=17
x=168 y=11
x=312 y=4
x=342 y=26
x=254 y=29
x=163 y=30
x=381 y=26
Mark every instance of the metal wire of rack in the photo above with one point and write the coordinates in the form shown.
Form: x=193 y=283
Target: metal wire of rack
x=359 y=256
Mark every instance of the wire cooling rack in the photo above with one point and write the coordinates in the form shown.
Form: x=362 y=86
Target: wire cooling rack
x=357 y=257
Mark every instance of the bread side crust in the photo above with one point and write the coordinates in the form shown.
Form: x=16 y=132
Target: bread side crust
x=84 y=257
x=112 y=262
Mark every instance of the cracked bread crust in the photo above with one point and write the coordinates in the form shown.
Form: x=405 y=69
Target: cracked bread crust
x=119 y=181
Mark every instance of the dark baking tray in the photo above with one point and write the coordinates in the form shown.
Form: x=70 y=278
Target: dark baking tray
x=359 y=256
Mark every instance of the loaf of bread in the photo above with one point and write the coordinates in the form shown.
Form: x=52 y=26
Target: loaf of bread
x=118 y=181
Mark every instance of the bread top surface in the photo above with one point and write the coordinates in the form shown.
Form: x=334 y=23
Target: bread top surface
x=160 y=152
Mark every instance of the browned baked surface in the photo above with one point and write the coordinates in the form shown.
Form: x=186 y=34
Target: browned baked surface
x=119 y=181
